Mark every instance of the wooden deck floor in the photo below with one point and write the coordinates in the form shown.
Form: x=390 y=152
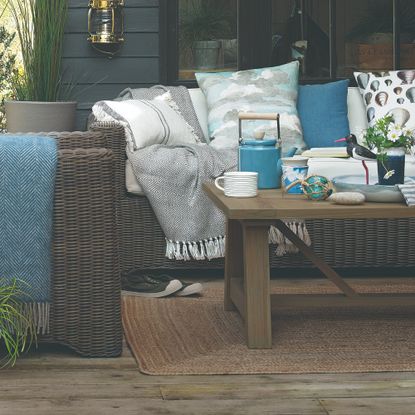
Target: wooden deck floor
x=55 y=381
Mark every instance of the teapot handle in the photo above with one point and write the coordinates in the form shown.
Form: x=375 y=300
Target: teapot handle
x=259 y=116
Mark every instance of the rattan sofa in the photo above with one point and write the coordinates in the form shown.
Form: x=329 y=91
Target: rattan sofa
x=342 y=243
x=86 y=310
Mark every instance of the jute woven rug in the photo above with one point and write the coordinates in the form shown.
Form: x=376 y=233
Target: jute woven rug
x=178 y=336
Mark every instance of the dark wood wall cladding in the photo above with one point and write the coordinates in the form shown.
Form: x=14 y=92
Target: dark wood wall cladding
x=97 y=77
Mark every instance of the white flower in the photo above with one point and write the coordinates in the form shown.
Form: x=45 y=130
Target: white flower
x=394 y=135
x=395 y=127
x=389 y=174
x=408 y=132
x=362 y=135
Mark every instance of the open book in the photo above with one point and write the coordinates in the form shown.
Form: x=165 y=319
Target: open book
x=326 y=152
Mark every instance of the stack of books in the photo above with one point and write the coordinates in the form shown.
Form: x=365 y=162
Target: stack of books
x=323 y=152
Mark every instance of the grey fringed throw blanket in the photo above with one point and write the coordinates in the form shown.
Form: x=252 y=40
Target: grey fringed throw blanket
x=172 y=178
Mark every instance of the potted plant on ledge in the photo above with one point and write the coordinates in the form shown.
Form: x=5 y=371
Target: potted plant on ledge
x=39 y=91
x=391 y=141
x=202 y=24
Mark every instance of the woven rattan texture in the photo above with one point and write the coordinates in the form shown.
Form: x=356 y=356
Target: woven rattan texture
x=86 y=285
x=342 y=243
x=86 y=311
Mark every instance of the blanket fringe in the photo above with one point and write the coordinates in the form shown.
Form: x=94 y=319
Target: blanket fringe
x=215 y=247
x=38 y=314
x=206 y=249
x=284 y=245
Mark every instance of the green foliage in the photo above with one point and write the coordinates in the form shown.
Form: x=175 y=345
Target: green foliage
x=40 y=28
x=386 y=134
x=203 y=20
x=16 y=330
x=8 y=71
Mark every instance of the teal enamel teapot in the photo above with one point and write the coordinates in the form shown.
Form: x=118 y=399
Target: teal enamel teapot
x=262 y=156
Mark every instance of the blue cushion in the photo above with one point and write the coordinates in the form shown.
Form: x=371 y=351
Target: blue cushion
x=323 y=113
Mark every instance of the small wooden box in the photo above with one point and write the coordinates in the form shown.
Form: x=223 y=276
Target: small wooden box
x=380 y=56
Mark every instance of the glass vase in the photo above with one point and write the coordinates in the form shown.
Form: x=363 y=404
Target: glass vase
x=391 y=170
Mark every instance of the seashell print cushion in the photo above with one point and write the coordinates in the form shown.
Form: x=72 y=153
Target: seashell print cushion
x=267 y=90
x=389 y=93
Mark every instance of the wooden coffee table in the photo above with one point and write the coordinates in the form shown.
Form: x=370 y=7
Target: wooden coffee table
x=247 y=280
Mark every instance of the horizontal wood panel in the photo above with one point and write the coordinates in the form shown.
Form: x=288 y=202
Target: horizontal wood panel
x=128 y=4
x=81 y=119
x=111 y=71
x=136 y=20
x=87 y=95
x=76 y=45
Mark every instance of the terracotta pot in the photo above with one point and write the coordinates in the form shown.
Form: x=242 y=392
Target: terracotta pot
x=36 y=117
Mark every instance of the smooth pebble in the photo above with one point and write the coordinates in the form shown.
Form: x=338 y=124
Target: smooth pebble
x=347 y=198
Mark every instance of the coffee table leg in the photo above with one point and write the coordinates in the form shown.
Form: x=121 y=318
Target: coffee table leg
x=233 y=260
x=257 y=287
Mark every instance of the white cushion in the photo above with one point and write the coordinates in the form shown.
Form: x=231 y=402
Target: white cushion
x=131 y=182
x=357 y=112
x=147 y=122
x=200 y=105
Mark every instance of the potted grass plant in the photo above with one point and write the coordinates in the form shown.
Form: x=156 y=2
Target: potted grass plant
x=202 y=24
x=7 y=71
x=16 y=329
x=40 y=94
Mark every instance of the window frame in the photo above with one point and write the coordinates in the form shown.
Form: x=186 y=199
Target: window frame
x=254 y=39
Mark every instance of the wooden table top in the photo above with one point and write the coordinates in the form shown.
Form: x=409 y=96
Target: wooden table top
x=273 y=204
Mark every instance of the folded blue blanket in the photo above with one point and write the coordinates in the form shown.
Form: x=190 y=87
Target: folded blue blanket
x=27 y=182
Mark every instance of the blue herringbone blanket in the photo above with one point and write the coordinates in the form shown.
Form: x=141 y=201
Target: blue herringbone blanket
x=27 y=181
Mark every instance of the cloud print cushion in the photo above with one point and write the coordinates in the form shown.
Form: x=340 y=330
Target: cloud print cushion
x=271 y=90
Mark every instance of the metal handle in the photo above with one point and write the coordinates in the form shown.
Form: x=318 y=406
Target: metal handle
x=258 y=116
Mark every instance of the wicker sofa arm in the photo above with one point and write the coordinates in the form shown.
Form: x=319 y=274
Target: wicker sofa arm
x=79 y=139
x=86 y=312
x=115 y=140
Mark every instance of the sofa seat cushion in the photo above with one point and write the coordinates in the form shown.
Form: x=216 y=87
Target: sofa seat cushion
x=332 y=167
x=131 y=182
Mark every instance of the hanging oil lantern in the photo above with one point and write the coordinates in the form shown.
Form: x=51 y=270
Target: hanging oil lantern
x=106 y=25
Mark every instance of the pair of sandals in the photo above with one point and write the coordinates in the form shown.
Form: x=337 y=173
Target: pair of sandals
x=157 y=286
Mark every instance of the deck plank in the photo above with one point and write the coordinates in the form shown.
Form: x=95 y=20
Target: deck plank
x=370 y=406
x=55 y=381
x=157 y=407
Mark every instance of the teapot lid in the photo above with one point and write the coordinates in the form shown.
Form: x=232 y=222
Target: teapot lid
x=259 y=143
